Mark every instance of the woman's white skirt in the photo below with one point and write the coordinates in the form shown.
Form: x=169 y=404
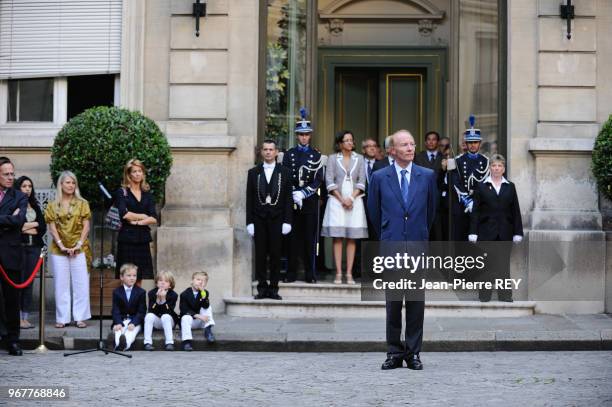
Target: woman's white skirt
x=341 y=222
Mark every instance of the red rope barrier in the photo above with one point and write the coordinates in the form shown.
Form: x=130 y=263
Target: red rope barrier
x=29 y=280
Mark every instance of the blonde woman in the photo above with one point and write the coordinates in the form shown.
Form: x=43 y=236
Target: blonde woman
x=68 y=218
x=136 y=207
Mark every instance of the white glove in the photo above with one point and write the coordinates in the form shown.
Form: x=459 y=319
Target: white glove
x=469 y=207
x=286 y=229
x=251 y=229
x=473 y=238
x=517 y=238
x=298 y=196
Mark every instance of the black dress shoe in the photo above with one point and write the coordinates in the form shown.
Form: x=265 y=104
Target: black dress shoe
x=275 y=296
x=148 y=347
x=187 y=346
x=260 y=296
x=122 y=343
x=414 y=362
x=210 y=338
x=391 y=363
x=289 y=280
x=14 y=349
x=311 y=281
x=169 y=347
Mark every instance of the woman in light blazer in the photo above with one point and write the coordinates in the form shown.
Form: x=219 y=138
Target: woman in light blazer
x=345 y=213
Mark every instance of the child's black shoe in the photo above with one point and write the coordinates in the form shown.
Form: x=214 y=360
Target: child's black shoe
x=187 y=346
x=210 y=338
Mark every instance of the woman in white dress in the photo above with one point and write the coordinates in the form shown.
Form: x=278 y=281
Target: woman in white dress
x=345 y=217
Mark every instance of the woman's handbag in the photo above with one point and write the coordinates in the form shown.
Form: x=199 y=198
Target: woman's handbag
x=112 y=220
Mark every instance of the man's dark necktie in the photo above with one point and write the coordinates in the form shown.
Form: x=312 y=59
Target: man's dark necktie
x=369 y=169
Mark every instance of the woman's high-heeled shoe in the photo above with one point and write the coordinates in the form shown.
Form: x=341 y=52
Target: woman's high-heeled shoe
x=349 y=280
x=338 y=279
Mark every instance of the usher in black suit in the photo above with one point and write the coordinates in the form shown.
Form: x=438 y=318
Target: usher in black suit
x=269 y=205
x=11 y=258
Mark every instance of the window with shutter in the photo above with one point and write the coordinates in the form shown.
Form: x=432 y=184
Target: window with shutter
x=47 y=38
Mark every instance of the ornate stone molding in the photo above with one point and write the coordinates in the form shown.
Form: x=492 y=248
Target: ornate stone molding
x=426 y=27
x=335 y=26
x=415 y=10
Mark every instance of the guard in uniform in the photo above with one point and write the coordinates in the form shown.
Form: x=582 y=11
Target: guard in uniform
x=471 y=168
x=269 y=215
x=307 y=174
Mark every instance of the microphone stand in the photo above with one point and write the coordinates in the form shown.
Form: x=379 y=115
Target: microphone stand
x=101 y=347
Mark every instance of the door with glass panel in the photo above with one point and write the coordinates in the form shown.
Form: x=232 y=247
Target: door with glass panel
x=377 y=102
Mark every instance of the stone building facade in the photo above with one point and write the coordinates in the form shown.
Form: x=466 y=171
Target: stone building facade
x=548 y=95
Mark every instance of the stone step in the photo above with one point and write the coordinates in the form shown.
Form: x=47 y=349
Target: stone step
x=335 y=308
x=329 y=291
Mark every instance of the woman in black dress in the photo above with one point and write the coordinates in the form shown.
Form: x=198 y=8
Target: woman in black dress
x=32 y=234
x=137 y=210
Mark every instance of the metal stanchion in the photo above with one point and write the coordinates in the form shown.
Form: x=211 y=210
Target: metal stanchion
x=41 y=330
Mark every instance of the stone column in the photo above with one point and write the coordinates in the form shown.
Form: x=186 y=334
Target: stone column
x=565 y=198
x=203 y=94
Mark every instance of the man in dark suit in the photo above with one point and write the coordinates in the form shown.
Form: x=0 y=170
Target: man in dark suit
x=431 y=158
x=268 y=216
x=307 y=175
x=388 y=160
x=402 y=205
x=13 y=207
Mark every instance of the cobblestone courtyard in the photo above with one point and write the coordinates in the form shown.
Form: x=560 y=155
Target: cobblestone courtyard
x=317 y=379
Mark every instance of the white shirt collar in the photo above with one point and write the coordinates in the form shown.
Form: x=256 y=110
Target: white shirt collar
x=398 y=169
x=126 y=288
x=269 y=166
x=490 y=180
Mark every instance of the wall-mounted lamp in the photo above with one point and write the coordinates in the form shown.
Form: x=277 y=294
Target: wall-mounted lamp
x=199 y=10
x=567 y=13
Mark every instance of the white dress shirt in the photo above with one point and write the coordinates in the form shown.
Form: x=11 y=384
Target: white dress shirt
x=128 y=291
x=268 y=170
x=497 y=188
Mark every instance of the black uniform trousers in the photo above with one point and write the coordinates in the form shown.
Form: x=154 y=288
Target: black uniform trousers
x=302 y=245
x=498 y=268
x=12 y=303
x=268 y=243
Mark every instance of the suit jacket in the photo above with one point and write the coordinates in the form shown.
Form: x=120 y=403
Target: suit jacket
x=380 y=164
x=422 y=160
x=496 y=216
x=191 y=305
x=281 y=187
x=392 y=219
x=11 y=252
x=135 y=309
x=335 y=172
x=306 y=175
x=167 y=308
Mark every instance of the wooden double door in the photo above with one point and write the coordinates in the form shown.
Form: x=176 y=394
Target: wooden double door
x=375 y=102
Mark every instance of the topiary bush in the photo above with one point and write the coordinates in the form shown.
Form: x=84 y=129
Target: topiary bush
x=602 y=159
x=97 y=143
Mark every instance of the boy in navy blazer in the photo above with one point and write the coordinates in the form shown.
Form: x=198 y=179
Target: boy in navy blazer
x=129 y=308
x=196 y=311
x=161 y=315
